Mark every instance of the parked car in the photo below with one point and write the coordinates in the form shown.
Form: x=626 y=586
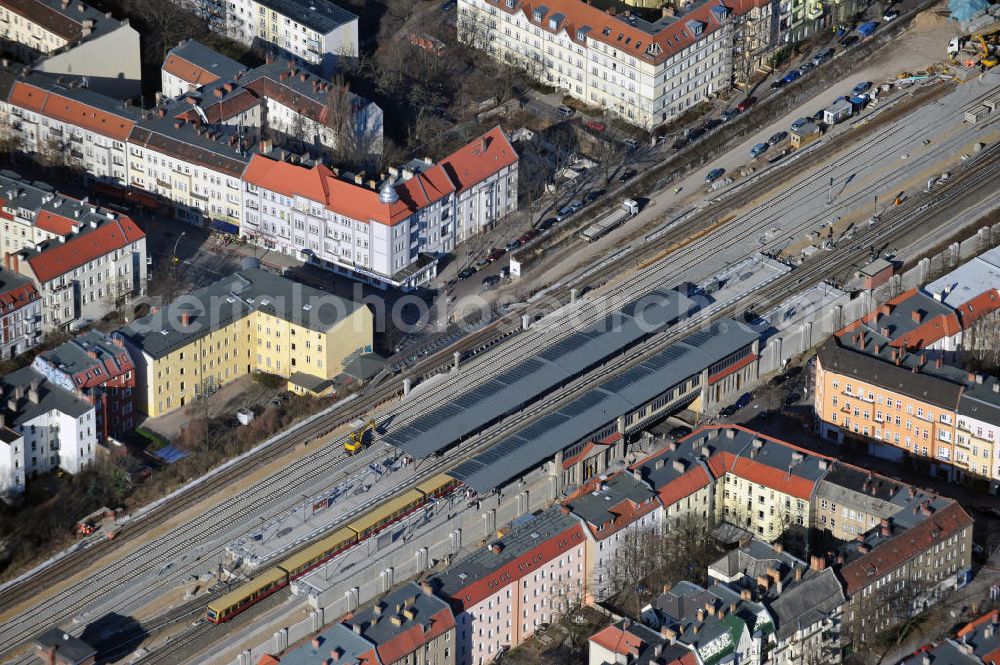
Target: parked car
x=744 y=401
x=596 y=126
x=777 y=138
x=714 y=175
x=679 y=432
x=513 y=244
x=466 y=273
x=505 y=272
x=695 y=133
x=800 y=123
x=806 y=66
x=547 y=224
x=565 y=111
x=849 y=41
x=728 y=115
x=792 y=76
x=528 y=236
x=711 y=124
x=490 y=281
x=759 y=150
x=819 y=115
x=593 y=195
x=861 y=88
x=495 y=254
x=745 y=105
x=890 y=15
x=777 y=84
x=680 y=143
x=728 y=411
x=628 y=175
x=631 y=144
x=822 y=56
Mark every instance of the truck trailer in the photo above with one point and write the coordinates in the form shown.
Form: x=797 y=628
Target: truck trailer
x=629 y=208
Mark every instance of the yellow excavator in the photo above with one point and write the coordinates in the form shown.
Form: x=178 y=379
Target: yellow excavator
x=989 y=59
x=356 y=442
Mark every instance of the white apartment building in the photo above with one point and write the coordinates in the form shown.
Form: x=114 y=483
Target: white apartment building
x=385 y=233
x=45 y=427
x=646 y=73
x=314 y=31
x=197 y=166
x=20 y=315
x=56 y=117
x=97 y=266
x=75 y=38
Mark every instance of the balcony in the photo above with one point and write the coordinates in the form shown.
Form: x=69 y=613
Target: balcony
x=164 y=184
x=199 y=195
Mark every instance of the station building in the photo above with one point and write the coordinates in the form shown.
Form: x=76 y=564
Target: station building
x=251 y=321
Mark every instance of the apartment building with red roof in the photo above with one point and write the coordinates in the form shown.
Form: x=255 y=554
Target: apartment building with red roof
x=389 y=232
x=98 y=266
x=645 y=72
x=20 y=315
x=64 y=119
x=99 y=368
x=503 y=592
x=70 y=37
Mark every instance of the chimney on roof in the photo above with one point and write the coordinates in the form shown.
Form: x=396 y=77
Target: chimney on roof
x=923 y=359
x=917 y=315
x=764 y=582
x=798 y=573
x=336 y=653
x=178 y=123
x=884 y=331
x=303 y=76
x=745 y=594
x=356 y=627
x=217 y=92
x=700 y=614
x=817 y=562
x=359 y=178
x=669 y=634
x=863 y=548
x=316 y=641
x=496 y=547
x=878 y=348
x=161 y=112
x=33 y=392
x=697 y=626
x=710 y=609
x=971 y=377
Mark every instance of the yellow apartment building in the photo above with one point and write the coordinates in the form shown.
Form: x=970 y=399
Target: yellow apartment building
x=251 y=321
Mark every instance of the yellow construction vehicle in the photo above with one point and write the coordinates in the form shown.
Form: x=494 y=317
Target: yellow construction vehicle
x=356 y=441
x=989 y=59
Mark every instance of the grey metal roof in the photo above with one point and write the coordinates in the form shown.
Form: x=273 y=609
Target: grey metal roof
x=968 y=280
x=231 y=298
x=353 y=648
x=897 y=318
x=948 y=652
x=50 y=397
x=376 y=622
x=595 y=507
x=68 y=648
x=520 y=540
x=74 y=356
x=569 y=357
x=320 y=15
x=603 y=405
x=942 y=390
x=982 y=401
x=815 y=596
x=207 y=58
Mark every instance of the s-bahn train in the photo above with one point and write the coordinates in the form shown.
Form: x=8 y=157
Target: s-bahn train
x=224 y=608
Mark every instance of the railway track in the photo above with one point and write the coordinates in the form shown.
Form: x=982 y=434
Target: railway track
x=772 y=294
x=321 y=426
